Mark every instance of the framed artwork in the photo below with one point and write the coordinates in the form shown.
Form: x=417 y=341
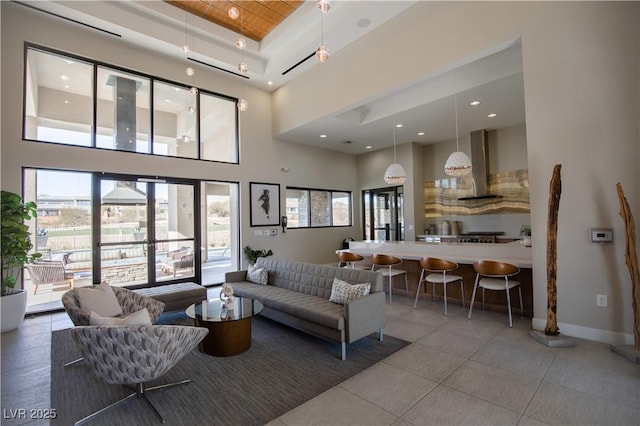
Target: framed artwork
x=264 y=204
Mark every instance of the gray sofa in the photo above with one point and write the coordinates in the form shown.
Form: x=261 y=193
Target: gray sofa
x=297 y=295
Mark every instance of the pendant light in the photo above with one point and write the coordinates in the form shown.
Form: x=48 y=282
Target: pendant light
x=458 y=163
x=395 y=173
x=241 y=44
x=323 y=53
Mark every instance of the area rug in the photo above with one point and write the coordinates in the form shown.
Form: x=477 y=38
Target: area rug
x=283 y=369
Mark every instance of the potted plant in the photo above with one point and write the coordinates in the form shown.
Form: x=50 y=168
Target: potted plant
x=138 y=233
x=253 y=255
x=41 y=237
x=16 y=245
x=525 y=233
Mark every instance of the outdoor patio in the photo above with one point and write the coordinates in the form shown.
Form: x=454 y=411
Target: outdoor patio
x=48 y=296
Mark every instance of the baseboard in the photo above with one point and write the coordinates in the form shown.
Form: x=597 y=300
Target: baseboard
x=595 y=334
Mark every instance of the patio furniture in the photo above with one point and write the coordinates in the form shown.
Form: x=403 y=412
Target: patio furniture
x=181 y=259
x=49 y=272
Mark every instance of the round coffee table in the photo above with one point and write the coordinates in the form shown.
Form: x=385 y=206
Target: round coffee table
x=229 y=330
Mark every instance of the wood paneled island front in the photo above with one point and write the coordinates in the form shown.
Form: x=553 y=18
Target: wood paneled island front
x=464 y=254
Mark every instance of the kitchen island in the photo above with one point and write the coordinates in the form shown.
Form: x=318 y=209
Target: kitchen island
x=464 y=254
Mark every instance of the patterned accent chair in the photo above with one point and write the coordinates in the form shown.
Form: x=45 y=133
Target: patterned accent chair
x=135 y=355
x=130 y=302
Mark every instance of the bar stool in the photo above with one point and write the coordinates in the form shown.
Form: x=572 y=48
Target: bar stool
x=434 y=271
x=386 y=263
x=349 y=260
x=493 y=275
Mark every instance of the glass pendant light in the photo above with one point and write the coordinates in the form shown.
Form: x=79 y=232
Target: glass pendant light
x=458 y=163
x=241 y=44
x=324 y=5
x=323 y=53
x=395 y=173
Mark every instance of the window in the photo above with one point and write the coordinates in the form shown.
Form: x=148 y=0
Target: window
x=313 y=208
x=133 y=112
x=122 y=111
x=58 y=105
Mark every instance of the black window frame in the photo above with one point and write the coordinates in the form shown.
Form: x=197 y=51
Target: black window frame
x=152 y=79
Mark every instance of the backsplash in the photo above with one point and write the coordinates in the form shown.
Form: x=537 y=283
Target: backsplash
x=512 y=188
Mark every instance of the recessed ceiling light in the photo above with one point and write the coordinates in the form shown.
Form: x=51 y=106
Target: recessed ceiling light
x=493 y=114
x=169 y=101
x=368 y=147
x=323 y=136
x=66 y=102
x=270 y=83
x=66 y=86
x=363 y=23
x=474 y=103
x=64 y=77
x=420 y=133
x=399 y=125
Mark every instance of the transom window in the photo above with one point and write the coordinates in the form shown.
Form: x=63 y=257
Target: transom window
x=75 y=101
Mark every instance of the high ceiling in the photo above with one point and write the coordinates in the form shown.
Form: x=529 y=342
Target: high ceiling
x=256 y=20
x=290 y=32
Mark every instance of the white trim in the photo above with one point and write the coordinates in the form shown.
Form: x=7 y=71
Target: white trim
x=596 y=334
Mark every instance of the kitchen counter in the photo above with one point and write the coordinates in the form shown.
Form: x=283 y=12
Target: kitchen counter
x=463 y=253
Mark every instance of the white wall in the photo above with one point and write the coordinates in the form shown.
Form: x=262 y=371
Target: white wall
x=581 y=80
x=262 y=156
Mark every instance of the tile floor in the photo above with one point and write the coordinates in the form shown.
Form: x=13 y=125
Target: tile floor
x=455 y=372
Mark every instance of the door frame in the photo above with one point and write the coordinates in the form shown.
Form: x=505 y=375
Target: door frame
x=368 y=195
x=151 y=240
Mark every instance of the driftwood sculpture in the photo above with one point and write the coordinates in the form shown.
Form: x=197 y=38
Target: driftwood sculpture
x=555 y=188
x=631 y=259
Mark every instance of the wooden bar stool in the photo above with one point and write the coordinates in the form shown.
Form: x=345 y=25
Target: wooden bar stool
x=384 y=264
x=435 y=271
x=349 y=260
x=493 y=275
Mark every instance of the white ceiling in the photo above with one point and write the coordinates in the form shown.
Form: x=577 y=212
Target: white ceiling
x=425 y=106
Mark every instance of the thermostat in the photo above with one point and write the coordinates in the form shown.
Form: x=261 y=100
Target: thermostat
x=601 y=235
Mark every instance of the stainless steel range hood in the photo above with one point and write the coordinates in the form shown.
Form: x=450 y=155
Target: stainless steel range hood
x=480 y=165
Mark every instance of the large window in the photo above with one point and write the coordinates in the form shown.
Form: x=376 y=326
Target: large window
x=129 y=231
x=133 y=112
x=314 y=208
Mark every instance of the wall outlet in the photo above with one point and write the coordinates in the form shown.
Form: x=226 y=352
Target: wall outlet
x=601 y=300
x=274 y=231
x=266 y=232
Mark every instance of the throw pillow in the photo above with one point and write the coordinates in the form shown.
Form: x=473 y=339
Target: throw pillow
x=257 y=275
x=137 y=318
x=343 y=292
x=100 y=299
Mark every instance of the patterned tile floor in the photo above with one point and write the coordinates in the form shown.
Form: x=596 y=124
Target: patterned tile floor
x=455 y=372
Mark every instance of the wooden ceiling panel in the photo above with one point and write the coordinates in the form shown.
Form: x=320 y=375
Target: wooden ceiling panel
x=257 y=18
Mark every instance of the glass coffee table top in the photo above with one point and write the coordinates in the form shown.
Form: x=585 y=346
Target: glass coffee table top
x=212 y=311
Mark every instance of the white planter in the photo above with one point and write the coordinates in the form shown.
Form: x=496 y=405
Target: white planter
x=13 y=308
